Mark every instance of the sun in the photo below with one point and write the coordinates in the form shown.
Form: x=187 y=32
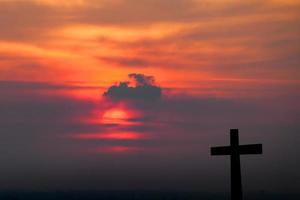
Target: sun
x=116 y=116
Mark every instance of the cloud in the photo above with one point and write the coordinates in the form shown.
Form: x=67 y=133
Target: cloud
x=127 y=62
x=30 y=85
x=144 y=89
x=244 y=40
x=21 y=20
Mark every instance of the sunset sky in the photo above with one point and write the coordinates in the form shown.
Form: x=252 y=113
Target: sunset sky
x=131 y=94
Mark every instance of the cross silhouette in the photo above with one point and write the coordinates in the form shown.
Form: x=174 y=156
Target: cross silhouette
x=235 y=150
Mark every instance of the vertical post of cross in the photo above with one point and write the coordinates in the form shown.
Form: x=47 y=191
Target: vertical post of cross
x=236 y=178
x=235 y=150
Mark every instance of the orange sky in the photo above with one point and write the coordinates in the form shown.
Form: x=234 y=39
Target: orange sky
x=210 y=47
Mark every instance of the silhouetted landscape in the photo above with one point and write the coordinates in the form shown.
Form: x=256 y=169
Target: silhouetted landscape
x=134 y=195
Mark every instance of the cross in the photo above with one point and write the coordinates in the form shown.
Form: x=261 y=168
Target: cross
x=235 y=150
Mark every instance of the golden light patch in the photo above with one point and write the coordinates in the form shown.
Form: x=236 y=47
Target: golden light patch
x=117 y=33
x=62 y=3
x=28 y=50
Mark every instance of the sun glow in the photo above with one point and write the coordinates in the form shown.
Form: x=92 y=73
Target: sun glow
x=110 y=136
x=116 y=116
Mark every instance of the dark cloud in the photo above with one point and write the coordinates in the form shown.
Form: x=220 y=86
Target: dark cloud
x=144 y=89
x=27 y=85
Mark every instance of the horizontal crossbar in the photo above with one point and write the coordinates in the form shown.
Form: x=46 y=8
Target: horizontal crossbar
x=242 y=149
